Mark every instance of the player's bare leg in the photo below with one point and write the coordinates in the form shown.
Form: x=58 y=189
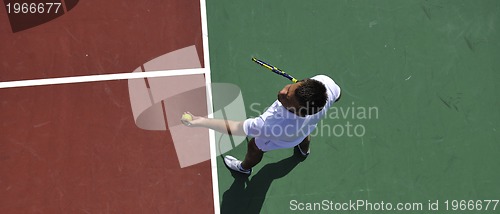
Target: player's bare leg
x=253 y=156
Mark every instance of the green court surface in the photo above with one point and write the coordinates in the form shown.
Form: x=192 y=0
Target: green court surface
x=419 y=115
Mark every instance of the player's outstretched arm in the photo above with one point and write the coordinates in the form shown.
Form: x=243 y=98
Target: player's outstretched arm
x=224 y=126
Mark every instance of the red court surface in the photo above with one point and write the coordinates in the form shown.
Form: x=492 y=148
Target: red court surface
x=99 y=37
x=75 y=148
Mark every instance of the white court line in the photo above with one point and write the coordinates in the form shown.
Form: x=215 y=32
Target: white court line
x=103 y=77
x=208 y=78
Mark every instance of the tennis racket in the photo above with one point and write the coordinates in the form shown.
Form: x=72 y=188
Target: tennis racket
x=274 y=69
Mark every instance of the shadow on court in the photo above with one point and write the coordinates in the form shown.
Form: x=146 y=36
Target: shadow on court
x=247 y=196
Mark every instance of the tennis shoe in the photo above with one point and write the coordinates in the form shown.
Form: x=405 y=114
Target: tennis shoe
x=235 y=165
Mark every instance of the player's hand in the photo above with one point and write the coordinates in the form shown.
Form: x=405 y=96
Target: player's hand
x=191 y=120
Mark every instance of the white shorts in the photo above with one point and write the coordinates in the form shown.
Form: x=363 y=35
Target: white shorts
x=268 y=145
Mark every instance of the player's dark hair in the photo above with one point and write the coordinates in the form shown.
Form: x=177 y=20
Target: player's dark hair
x=311 y=95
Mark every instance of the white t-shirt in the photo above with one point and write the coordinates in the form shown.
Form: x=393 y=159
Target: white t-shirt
x=277 y=128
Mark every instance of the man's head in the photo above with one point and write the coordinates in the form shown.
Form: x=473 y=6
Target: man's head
x=305 y=97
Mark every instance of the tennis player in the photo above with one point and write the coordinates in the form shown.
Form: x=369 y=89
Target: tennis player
x=287 y=123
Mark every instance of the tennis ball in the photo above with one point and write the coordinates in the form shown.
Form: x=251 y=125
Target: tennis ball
x=186 y=118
